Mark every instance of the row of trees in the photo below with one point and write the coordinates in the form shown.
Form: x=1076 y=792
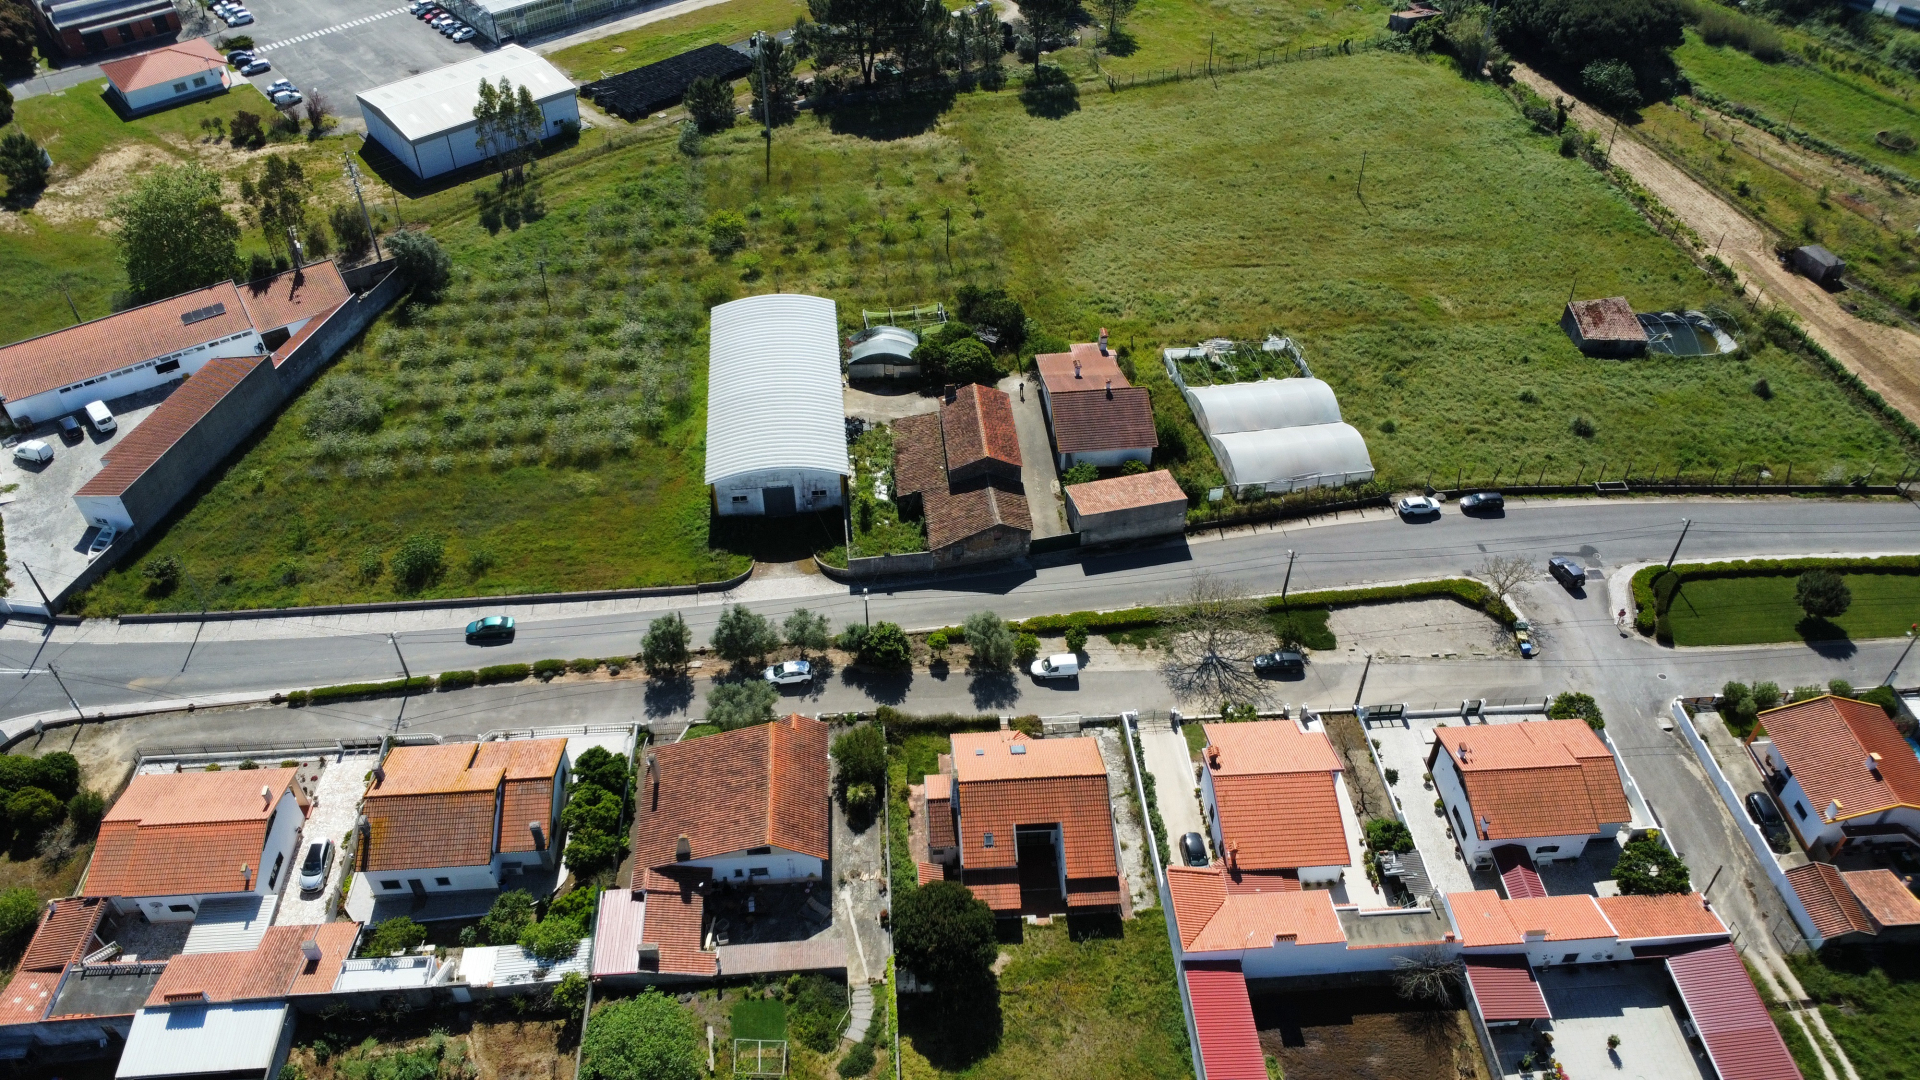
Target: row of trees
x=597 y=813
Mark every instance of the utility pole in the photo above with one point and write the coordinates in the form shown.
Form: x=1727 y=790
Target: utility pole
x=948 y=215
x=1363 y=682
x=1610 y=138
x=55 y=672
x=400 y=720
x=1888 y=681
x=867 y=604
x=543 y=286
x=354 y=175
x=1359 y=185
x=766 y=97
x=1685 y=524
x=1286 y=581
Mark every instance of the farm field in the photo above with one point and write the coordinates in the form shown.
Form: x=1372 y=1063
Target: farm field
x=1753 y=610
x=723 y=24
x=1175 y=33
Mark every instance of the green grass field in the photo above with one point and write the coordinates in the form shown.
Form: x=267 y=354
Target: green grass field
x=760 y=1018
x=1175 y=33
x=721 y=24
x=1870 y=1000
x=1752 y=610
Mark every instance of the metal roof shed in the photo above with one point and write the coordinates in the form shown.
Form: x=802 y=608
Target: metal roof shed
x=241 y=1039
x=1732 y=1021
x=776 y=424
x=427 y=121
x=1264 y=405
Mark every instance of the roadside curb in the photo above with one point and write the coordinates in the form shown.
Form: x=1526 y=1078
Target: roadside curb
x=19 y=727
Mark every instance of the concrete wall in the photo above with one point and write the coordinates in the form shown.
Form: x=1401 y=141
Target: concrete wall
x=376 y=286
x=742 y=493
x=1134 y=523
x=232 y=419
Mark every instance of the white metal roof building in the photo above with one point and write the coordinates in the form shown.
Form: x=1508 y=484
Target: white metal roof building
x=427 y=121
x=241 y=1039
x=776 y=425
x=1256 y=406
x=1288 y=459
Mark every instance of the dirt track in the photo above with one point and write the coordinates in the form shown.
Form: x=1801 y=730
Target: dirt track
x=1886 y=358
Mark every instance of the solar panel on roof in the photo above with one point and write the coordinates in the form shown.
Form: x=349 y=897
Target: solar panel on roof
x=203 y=314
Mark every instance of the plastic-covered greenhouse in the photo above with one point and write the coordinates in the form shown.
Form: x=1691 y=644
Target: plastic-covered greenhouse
x=1292 y=458
x=1257 y=406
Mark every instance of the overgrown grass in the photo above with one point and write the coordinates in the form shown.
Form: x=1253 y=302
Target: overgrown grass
x=1752 y=610
x=1870 y=999
x=877 y=525
x=1175 y=33
x=719 y=24
x=1433 y=305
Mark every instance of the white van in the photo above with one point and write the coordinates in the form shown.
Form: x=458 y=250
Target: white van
x=1058 y=666
x=99 y=417
x=33 y=452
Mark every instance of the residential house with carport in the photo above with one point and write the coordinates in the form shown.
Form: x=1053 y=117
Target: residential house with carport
x=1842 y=772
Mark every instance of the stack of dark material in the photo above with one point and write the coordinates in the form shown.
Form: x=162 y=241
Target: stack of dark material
x=632 y=95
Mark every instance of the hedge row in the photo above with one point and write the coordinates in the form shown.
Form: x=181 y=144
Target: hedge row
x=453 y=680
x=898 y=725
x=350 y=691
x=1467 y=591
x=503 y=673
x=1653 y=587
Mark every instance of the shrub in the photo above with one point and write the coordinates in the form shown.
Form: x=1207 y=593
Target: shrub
x=1611 y=84
x=851 y=638
x=570 y=993
x=1026 y=647
x=547 y=669
x=886 y=646
x=860 y=757
x=1076 y=637
x=1647 y=868
x=589 y=851
x=968 y=360
x=19 y=912
x=1822 y=594
x=502 y=673
x=995 y=312
x=726 y=232
x=583 y=665
x=394 y=935
x=247 y=131
x=1762 y=390
x=1571 y=706
x=1082 y=473
x=945 y=935
x=162 y=575
x=420 y=257
x=419 y=560
x=30 y=810
x=668 y=645
x=1809 y=690
x=740 y=704
x=511 y=913
x=591 y=806
x=85 y=810
x=603 y=769
x=858 y=1062
x=648 y=1037
x=456 y=680
x=990 y=639
x=350 y=229
x=1388 y=834
x=552 y=940
x=58 y=772
x=814 y=1012
x=937 y=643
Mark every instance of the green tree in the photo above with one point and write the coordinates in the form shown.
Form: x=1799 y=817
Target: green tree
x=969 y=361
x=1026 y=647
x=174 y=234
x=849 y=33
x=1116 y=10
x=552 y=940
x=277 y=200
x=1612 y=86
x=1647 y=868
x=777 y=60
x=1575 y=33
x=590 y=851
x=886 y=646
x=350 y=229
x=1076 y=636
x=806 y=631
x=18 y=36
x=1082 y=473
x=419 y=561
x=570 y=993
x=1388 y=834
x=668 y=645
x=1571 y=706
x=1051 y=21
x=19 y=912
x=32 y=809
x=603 y=769
x=742 y=635
x=945 y=935
x=990 y=639
x=58 y=772
x=423 y=260
x=709 y=102
x=23 y=164
x=512 y=912
x=85 y=810
x=392 y=936
x=591 y=806
x=648 y=1037
x=993 y=311
x=860 y=757
x=741 y=704
x=1822 y=594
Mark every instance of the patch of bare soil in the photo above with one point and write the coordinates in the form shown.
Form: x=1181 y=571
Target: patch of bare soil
x=1886 y=358
x=1365 y=786
x=85 y=197
x=485 y=1042
x=1419 y=629
x=1365 y=1033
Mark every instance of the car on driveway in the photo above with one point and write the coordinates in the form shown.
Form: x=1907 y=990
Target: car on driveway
x=70 y=429
x=1418 y=506
x=491 y=628
x=1567 y=572
x=1765 y=814
x=791 y=673
x=1064 y=665
x=1284 y=664
x=1193 y=850
x=313 y=868
x=1481 y=502
x=256 y=67
x=284 y=98
x=33 y=452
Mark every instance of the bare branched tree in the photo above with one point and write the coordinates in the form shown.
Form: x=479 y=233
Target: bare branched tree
x=1215 y=631
x=1506 y=573
x=317 y=106
x=1429 y=976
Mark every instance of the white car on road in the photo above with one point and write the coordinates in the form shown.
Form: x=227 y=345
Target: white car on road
x=1417 y=506
x=791 y=673
x=1064 y=665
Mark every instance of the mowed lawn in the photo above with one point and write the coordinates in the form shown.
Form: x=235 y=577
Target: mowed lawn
x=1180 y=212
x=720 y=24
x=1752 y=610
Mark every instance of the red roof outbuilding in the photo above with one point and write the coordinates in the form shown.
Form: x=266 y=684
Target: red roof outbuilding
x=1223 y=1018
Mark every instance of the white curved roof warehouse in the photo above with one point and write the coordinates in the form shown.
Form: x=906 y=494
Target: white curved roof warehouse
x=1318 y=455
x=1257 y=406
x=775 y=419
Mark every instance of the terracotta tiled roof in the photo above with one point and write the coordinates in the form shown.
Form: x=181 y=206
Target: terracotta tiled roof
x=939 y=785
x=116 y=341
x=996 y=887
x=275 y=968
x=1156 y=488
x=1056 y=369
x=929 y=872
x=1505 y=989
x=140 y=448
x=66 y=934
x=436 y=805
x=1829 y=902
x=1886 y=898
x=435 y=770
x=1671 y=915
x=1826 y=742
x=1545 y=778
x=28 y=996
x=529 y=766
x=1239 y=881
x=1275 y=788
x=919 y=455
x=1211 y=919
x=940 y=811
x=762 y=786
x=989 y=755
x=1264 y=747
x=1610 y=319
x=190 y=57
x=675 y=918
x=407 y=832
x=284 y=299
x=1088 y=420
x=952 y=514
x=977 y=425
x=1052 y=781
x=1483 y=918
x=178 y=834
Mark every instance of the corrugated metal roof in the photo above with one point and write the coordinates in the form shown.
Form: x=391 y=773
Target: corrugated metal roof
x=235 y=924
x=616 y=933
x=188 y=1039
x=1505 y=988
x=442 y=100
x=773 y=387
x=1223 y=1018
x=508 y=965
x=1517 y=874
x=1732 y=1020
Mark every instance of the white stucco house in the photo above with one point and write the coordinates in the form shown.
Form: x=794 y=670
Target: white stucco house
x=1841 y=770
x=167 y=76
x=1548 y=786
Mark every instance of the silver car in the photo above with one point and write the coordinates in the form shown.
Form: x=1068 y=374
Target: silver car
x=791 y=673
x=314 y=867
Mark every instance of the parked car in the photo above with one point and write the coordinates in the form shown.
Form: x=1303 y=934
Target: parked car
x=240 y=56
x=465 y=34
x=427 y=15
x=1418 y=506
x=283 y=98
x=1064 y=665
x=791 y=673
x=313 y=868
x=1193 y=850
x=241 y=19
x=1481 y=501
x=70 y=429
x=33 y=452
x=100 y=417
x=491 y=628
x=1765 y=814
x=1285 y=663
x=256 y=67
x=279 y=85
x=1566 y=571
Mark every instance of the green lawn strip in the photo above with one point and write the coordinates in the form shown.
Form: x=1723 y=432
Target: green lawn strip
x=1175 y=33
x=760 y=1018
x=1881 y=573
x=719 y=24
x=1790 y=1032
x=1870 y=1000
x=697 y=730
x=77 y=125
x=1310 y=608
x=1435 y=306
x=1753 y=610
x=1196 y=736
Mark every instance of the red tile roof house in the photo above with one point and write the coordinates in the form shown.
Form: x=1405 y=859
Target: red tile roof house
x=1123 y=508
x=729 y=811
x=959 y=470
x=1097 y=417
x=1842 y=772
x=461 y=817
x=1275 y=803
x=1033 y=823
x=164 y=77
x=1856 y=905
x=1548 y=786
x=175 y=840
x=1604 y=327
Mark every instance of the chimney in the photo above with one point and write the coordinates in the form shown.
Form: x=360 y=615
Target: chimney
x=1873 y=765
x=1486 y=827
x=539 y=836
x=1076 y=367
x=1233 y=855
x=1833 y=810
x=246 y=877
x=266 y=796
x=1103 y=341
x=1213 y=756
x=311 y=950
x=653 y=773
x=379 y=775
x=1464 y=752
x=682 y=849
x=1109 y=389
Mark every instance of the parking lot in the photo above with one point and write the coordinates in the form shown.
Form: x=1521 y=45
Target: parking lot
x=345 y=47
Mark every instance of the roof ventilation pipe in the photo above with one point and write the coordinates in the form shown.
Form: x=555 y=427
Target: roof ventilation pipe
x=539 y=836
x=266 y=796
x=682 y=849
x=1103 y=341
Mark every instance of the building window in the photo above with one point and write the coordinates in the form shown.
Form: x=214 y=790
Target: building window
x=737 y=872
x=739 y=499
x=442 y=881
x=278 y=861
x=1545 y=849
x=758 y=871
x=199 y=80
x=160 y=24
x=988 y=841
x=760 y=851
x=1801 y=810
x=1570 y=958
x=180 y=909
x=389 y=884
x=170 y=365
x=179 y=88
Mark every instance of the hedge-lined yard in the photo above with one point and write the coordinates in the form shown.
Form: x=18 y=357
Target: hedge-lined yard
x=1749 y=602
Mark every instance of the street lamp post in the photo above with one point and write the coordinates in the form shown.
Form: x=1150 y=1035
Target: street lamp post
x=867 y=604
x=1685 y=524
x=1888 y=681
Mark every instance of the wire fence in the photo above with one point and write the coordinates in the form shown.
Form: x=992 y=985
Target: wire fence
x=1262 y=58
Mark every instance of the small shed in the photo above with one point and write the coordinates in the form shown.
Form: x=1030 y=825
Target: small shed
x=1402 y=22
x=1816 y=262
x=883 y=352
x=1127 y=508
x=1605 y=327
